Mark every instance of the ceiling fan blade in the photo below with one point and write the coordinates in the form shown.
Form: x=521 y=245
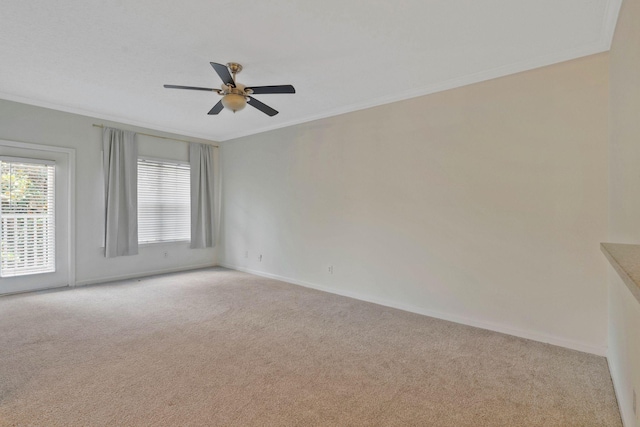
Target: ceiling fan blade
x=259 y=90
x=190 y=87
x=262 y=107
x=224 y=74
x=216 y=108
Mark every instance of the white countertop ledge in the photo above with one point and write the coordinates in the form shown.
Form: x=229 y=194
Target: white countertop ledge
x=625 y=259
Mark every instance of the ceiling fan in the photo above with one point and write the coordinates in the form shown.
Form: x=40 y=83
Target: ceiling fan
x=236 y=96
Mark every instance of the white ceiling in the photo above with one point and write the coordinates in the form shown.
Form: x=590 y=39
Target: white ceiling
x=110 y=58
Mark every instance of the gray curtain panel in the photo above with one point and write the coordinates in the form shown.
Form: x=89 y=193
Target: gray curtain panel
x=121 y=192
x=202 y=196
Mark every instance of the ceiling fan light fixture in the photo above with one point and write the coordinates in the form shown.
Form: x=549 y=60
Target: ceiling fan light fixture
x=234 y=102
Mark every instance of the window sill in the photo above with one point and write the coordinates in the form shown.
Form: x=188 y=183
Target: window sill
x=171 y=242
x=153 y=244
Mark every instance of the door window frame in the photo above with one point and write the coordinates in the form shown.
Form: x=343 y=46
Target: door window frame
x=71 y=199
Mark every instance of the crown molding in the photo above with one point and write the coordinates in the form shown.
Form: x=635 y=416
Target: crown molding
x=602 y=44
x=102 y=116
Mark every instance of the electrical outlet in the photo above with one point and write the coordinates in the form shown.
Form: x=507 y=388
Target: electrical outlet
x=166 y=254
x=260 y=257
x=330 y=269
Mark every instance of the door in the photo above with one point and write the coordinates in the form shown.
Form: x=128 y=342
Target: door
x=34 y=226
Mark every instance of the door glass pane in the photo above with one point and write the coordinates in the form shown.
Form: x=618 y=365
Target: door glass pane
x=27 y=217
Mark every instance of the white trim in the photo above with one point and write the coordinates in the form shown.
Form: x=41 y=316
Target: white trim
x=71 y=235
x=27 y=160
x=496 y=327
x=38 y=147
x=143 y=274
x=35 y=291
x=628 y=416
x=72 y=217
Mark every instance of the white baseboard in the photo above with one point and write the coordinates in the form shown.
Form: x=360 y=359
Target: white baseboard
x=141 y=274
x=496 y=327
x=626 y=412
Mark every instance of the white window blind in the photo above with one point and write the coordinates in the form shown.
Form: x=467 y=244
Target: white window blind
x=164 y=208
x=27 y=217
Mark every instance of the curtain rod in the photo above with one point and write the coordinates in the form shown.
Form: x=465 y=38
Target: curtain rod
x=158 y=136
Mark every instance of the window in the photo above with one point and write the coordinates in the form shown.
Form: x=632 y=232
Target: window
x=27 y=217
x=164 y=207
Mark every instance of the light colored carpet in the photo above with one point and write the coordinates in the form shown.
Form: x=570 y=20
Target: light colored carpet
x=222 y=348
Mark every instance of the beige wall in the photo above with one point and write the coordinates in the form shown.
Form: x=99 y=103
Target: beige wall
x=484 y=204
x=625 y=126
x=624 y=186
